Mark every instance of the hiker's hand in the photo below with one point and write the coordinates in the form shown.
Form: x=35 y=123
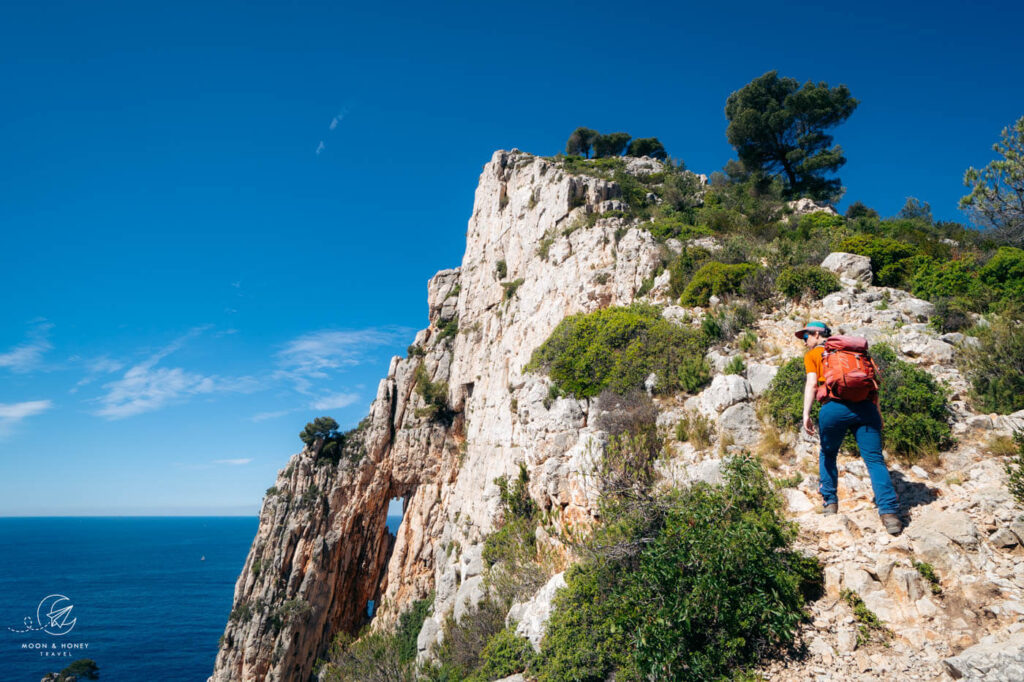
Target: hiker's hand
x=808 y=425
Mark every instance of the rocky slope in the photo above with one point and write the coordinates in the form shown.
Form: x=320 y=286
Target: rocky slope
x=323 y=551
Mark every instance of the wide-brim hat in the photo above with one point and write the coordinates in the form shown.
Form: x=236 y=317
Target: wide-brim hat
x=814 y=327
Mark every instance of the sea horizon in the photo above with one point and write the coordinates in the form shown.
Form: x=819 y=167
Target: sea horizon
x=149 y=595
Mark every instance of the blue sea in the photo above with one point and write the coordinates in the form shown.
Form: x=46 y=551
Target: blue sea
x=134 y=594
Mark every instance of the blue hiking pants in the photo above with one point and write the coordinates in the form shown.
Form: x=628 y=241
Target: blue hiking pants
x=835 y=418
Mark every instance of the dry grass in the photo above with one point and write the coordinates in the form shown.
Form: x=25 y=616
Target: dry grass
x=695 y=428
x=1001 y=446
x=773 y=448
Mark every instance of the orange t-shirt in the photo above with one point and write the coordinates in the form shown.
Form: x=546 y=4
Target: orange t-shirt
x=813 y=363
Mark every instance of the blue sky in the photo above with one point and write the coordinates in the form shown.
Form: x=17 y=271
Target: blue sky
x=218 y=219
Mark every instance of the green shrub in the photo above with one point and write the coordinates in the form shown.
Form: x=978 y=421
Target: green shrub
x=501 y=269
x=933 y=280
x=512 y=287
x=510 y=551
x=373 y=657
x=82 y=669
x=459 y=655
x=1015 y=470
x=715 y=279
x=819 y=220
x=697 y=584
x=1005 y=272
x=995 y=367
x=783 y=402
x=927 y=571
x=952 y=315
x=869 y=626
x=448 y=329
x=807 y=280
x=735 y=366
x=616 y=348
x=719 y=219
x=914 y=407
x=409 y=625
x=434 y=394
x=505 y=653
x=681 y=269
x=882 y=251
x=696 y=428
x=673 y=227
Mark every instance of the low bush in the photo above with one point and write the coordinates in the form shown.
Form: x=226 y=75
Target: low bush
x=952 y=315
x=504 y=654
x=934 y=280
x=378 y=655
x=447 y=329
x=681 y=269
x=783 y=402
x=695 y=583
x=673 y=227
x=434 y=394
x=617 y=348
x=458 y=656
x=869 y=626
x=807 y=281
x=1005 y=272
x=882 y=251
x=819 y=220
x=914 y=407
x=715 y=279
x=511 y=287
x=720 y=219
x=696 y=428
x=735 y=366
x=995 y=367
x=633 y=412
x=510 y=551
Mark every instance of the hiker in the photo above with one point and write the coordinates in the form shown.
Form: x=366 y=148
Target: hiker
x=836 y=417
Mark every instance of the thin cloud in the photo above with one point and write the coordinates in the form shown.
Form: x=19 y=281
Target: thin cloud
x=263 y=416
x=13 y=413
x=235 y=462
x=320 y=148
x=97 y=367
x=146 y=387
x=335 y=401
x=338 y=119
x=28 y=355
x=312 y=355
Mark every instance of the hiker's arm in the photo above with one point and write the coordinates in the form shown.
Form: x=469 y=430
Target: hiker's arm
x=810 y=388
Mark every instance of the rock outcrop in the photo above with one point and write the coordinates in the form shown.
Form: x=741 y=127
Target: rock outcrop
x=538 y=250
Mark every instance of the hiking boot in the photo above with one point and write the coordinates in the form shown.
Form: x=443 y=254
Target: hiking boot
x=892 y=523
x=831 y=509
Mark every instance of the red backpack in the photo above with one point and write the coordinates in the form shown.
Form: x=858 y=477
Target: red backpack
x=849 y=372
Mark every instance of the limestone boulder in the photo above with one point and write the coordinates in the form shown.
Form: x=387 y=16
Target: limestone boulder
x=725 y=390
x=741 y=423
x=849 y=266
x=532 y=616
x=925 y=346
x=990 y=660
x=760 y=376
